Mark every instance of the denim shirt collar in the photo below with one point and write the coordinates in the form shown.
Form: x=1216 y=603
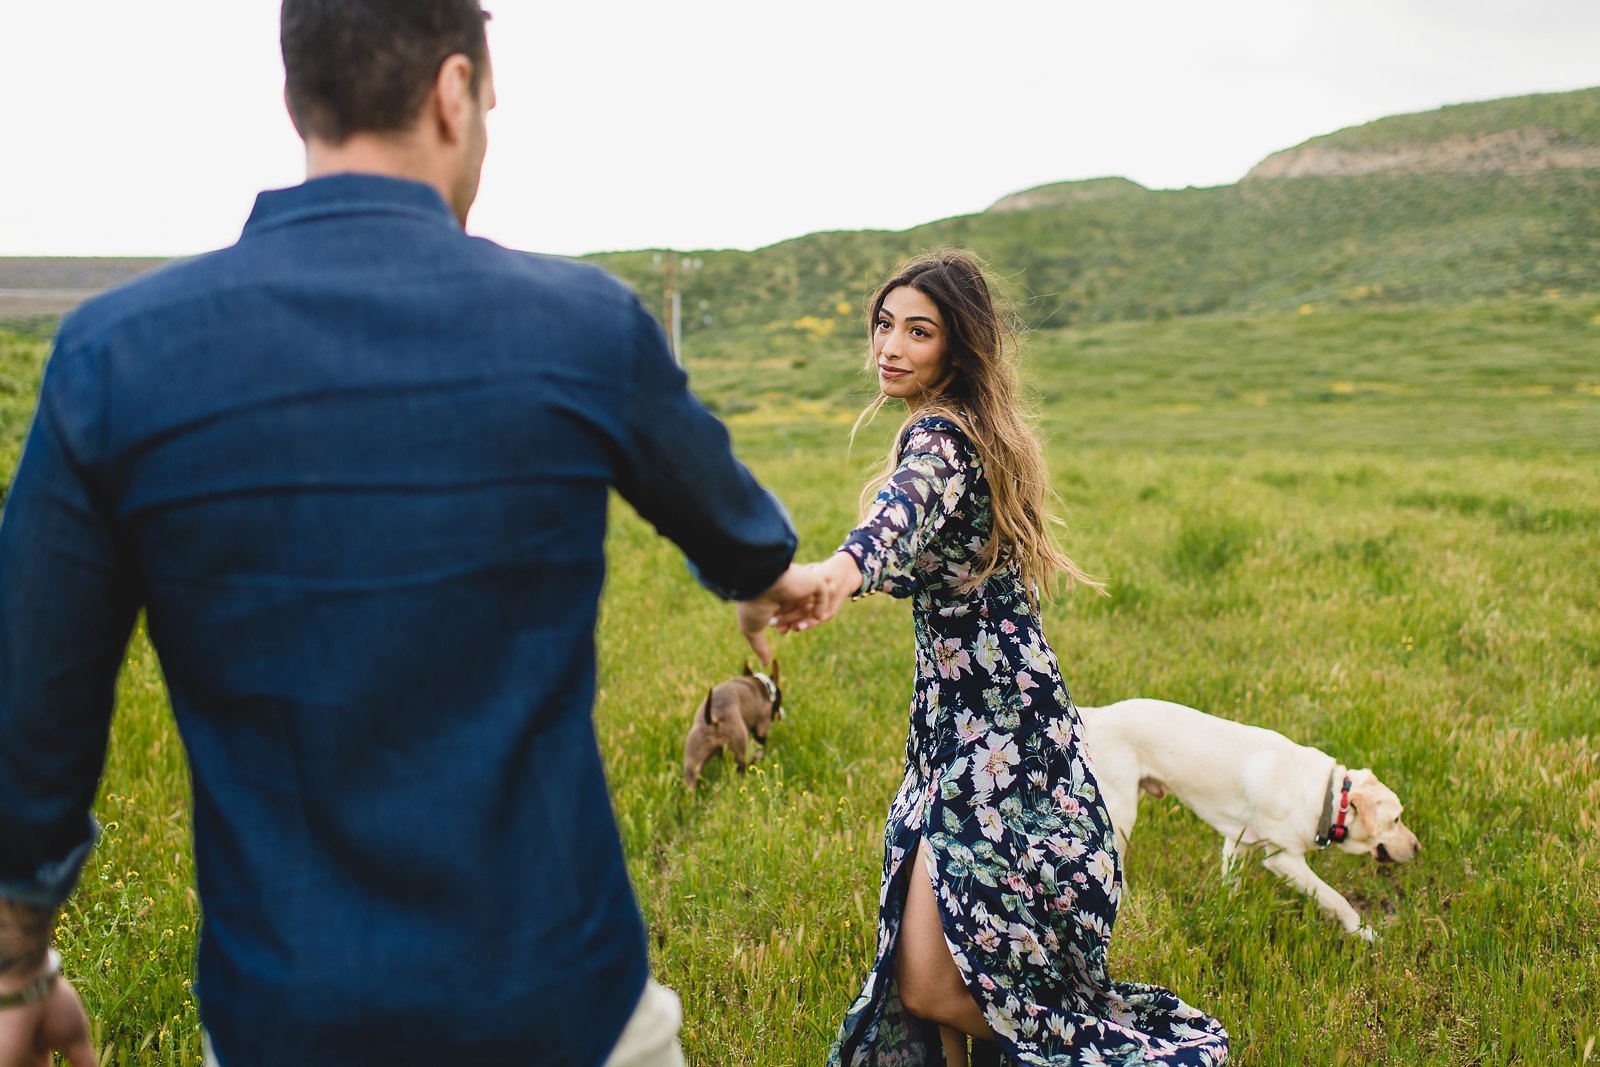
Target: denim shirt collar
x=347 y=194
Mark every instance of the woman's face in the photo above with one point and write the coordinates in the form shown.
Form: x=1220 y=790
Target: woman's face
x=910 y=346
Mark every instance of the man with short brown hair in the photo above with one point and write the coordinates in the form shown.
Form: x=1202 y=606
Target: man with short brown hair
x=355 y=470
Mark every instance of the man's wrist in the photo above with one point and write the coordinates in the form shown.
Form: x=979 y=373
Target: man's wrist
x=18 y=992
x=24 y=942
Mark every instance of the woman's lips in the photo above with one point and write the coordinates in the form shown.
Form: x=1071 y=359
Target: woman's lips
x=891 y=372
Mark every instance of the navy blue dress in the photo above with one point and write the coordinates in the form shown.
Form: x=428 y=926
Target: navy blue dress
x=1000 y=788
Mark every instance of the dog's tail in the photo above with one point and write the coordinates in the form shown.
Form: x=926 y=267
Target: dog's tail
x=710 y=695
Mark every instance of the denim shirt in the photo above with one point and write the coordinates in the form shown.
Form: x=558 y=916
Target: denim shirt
x=355 y=469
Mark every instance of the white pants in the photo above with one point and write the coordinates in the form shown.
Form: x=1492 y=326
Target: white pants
x=651 y=1037
x=649 y=1040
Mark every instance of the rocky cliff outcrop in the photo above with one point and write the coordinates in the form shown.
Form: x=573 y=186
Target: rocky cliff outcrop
x=1519 y=151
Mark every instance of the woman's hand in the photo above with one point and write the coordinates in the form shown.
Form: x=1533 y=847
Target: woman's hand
x=841 y=580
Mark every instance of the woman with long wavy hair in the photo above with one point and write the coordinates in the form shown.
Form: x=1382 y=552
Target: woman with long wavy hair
x=1000 y=876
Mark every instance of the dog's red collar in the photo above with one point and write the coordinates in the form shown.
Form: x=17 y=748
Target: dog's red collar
x=1331 y=828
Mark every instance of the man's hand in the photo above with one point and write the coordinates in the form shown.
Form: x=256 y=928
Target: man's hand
x=55 y=1024
x=805 y=596
x=790 y=603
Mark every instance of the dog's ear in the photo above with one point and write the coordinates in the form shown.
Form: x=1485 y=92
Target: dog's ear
x=1362 y=802
x=774 y=670
x=709 y=694
x=747 y=671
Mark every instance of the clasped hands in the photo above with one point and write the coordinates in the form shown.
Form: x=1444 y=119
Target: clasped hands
x=804 y=596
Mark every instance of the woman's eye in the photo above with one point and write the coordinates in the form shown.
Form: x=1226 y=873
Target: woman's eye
x=883 y=324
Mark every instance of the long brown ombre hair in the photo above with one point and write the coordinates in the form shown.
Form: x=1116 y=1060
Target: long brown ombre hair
x=980 y=395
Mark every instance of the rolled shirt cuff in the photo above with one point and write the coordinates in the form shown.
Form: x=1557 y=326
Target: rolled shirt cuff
x=54 y=880
x=744 y=590
x=750 y=582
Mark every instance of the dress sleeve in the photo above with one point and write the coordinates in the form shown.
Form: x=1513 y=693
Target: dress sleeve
x=936 y=468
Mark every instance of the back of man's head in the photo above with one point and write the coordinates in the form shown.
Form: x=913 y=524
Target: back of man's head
x=366 y=66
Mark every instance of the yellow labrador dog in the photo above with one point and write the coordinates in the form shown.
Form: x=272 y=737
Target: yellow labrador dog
x=1253 y=786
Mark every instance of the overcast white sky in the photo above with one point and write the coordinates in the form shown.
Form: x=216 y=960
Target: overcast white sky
x=147 y=128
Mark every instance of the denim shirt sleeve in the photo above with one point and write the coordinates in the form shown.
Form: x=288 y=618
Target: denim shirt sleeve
x=679 y=472
x=66 y=610
x=909 y=510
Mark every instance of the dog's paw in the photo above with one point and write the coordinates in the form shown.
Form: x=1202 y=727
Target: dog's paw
x=1365 y=933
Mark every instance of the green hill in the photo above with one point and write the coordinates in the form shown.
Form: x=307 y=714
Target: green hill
x=1256 y=246
x=1110 y=250
x=1573 y=116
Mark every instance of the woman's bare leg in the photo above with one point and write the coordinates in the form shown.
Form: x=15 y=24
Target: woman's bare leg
x=930 y=983
x=955 y=1047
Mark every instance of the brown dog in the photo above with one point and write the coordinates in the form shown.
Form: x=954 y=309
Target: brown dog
x=731 y=714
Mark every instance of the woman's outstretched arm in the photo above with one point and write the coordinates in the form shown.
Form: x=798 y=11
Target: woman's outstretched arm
x=936 y=470
x=911 y=508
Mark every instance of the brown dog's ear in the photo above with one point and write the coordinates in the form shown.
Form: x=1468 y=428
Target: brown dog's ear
x=747 y=671
x=709 y=694
x=774 y=670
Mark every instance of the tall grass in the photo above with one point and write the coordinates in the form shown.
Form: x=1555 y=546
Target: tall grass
x=1375 y=530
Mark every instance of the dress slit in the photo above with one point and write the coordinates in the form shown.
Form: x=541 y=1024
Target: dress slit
x=949 y=929
x=951 y=932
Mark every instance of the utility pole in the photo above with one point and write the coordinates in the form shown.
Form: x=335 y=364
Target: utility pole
x=672 y=299
x=671 y=304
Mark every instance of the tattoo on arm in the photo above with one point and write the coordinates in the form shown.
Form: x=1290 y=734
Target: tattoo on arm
x=24 y=938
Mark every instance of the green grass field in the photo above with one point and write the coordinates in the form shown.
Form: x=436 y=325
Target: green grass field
x=1376 y=529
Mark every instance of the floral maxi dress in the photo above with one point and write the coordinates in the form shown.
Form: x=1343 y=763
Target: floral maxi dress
x=997 y=784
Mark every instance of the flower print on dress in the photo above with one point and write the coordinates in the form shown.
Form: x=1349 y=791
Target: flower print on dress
x=1036 y=656
x=990 y=823
x=970 y=727
x=1100 y=866
x=998 y=790
x=991 y=767
x=986 y=651
x=952 y=659
x=1060 y=732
